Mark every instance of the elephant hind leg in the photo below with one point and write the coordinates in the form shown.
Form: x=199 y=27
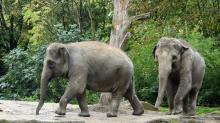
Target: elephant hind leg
x=115 y=102
x=131 y=96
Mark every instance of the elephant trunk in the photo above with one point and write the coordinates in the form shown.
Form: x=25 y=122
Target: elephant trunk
x=46 y=75
x=164 y=71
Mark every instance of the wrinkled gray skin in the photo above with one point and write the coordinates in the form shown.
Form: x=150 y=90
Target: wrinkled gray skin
x=89 y=65
x=181 y=71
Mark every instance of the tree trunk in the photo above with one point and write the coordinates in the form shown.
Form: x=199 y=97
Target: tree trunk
x=12 y=41
x=4 y=28
x=92 y=24
x=2 y=18
x=79 y=14
x=63 y=16
x=120 y=23
x=80 y=17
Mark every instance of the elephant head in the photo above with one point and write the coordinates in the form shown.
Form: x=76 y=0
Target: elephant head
x=55 y=64
x=168 y=53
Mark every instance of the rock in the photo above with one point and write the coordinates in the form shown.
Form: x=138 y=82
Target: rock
x=148 y=106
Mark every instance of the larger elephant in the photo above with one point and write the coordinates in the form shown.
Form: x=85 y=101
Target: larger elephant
x=181 y=71
x=89 y=65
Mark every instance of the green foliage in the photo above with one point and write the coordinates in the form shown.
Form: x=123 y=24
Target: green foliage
x=141 y=44
x=70 y=35
x=207 y=110
x=145 y=74
x=92 y=97
x=23 y=74
x=200 y=110
x=204 y=14
x=35 y=16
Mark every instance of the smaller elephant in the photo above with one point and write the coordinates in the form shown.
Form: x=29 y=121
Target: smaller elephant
x=181 y=71
x=89 y=65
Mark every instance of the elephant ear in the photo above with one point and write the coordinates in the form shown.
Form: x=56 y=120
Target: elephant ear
x=180 y=47
x=183 y=48
x=154 y=51
x=63 y=52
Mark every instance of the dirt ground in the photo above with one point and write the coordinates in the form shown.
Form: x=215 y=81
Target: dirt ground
x=20 y=112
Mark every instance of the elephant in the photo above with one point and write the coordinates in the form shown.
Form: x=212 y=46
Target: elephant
x=181 y=72
x=89 y=65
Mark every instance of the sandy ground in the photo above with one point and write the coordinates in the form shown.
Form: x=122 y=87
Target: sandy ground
x=20 y=112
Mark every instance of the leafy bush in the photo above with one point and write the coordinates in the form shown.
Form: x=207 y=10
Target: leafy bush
x=23 y=73
x=72 y=34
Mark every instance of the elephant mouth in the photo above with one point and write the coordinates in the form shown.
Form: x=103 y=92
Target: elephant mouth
x=57 y=73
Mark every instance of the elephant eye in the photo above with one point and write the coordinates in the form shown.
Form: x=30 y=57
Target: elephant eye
x=174 y=57
x=51 y=64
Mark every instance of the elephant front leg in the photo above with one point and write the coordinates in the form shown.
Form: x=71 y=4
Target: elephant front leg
x=182 y=91
x=76 y=86
x=67 y=96
x=116 y=98
x=81 y=98
x=171 y=91
x=185 y=104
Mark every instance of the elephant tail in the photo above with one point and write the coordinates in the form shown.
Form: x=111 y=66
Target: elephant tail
x=41 y=103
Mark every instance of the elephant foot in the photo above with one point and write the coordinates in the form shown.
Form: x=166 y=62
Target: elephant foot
x=138 y=112
x=177 y=110
x=60 y=112
x=190 y=113
x=168 y=113
x=111 y=115
x=84 y=114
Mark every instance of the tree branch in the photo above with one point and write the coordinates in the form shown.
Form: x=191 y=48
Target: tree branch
x=88 y=8
x=11 y=33
x=125 y=39
x=79 y=13
x=141 y=16
x=20 y=28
